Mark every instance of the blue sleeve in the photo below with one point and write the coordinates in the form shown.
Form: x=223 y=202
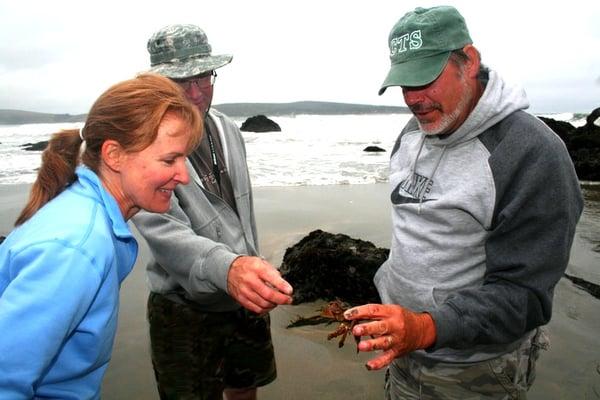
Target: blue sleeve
x=51 y=288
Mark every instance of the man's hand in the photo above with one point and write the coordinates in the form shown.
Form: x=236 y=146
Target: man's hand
x=257 y=285
x=394 y=329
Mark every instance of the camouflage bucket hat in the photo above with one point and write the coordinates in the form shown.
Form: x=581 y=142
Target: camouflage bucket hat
x=182 y=51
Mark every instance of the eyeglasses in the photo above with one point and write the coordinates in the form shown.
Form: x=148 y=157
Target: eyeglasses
x=203 y=81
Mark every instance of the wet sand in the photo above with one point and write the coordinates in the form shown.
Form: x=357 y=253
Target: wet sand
x=310 y=367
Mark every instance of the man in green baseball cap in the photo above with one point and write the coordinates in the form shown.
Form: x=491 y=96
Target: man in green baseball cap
x=210 y=291
x=485 y=201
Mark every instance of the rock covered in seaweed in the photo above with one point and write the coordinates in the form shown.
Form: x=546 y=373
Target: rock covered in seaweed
x=333 y=266
x=583 y=144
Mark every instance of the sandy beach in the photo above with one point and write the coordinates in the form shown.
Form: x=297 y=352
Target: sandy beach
x=310 y=367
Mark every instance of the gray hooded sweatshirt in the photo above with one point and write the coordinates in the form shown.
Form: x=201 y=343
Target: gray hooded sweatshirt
x=483 y=222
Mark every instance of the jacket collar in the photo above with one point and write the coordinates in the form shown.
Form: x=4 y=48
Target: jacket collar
x=89 y=184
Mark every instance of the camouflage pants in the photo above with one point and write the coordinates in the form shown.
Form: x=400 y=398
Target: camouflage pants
x=196 y=355
x=506 y=377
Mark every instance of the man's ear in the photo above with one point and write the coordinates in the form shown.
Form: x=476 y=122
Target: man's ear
x=112 y=154
x=474 y=60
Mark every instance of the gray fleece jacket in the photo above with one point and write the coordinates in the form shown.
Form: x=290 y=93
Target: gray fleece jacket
x=483 y=222
x=195 y=242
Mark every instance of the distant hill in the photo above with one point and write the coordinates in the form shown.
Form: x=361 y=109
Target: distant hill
x=17 y=117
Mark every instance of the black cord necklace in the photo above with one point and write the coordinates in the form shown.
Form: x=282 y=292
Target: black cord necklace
x=213 y=156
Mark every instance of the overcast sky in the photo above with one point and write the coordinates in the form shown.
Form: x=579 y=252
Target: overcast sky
x=58 y=56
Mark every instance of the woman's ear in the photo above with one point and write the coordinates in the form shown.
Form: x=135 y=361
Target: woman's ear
x=112 y=154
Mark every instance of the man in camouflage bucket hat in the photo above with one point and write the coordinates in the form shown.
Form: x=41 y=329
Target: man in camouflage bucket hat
x=210 y=292
x=485 y=201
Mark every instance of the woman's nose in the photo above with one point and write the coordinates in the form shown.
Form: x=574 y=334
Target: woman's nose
x=182 y=176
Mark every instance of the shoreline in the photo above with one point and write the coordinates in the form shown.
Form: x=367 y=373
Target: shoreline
x=309 y=366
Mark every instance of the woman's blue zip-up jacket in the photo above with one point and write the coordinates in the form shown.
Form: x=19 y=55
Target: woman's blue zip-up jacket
x=60 y=274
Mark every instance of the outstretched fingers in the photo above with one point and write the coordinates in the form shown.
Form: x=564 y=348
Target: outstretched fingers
x=381 y=361
x=273 y=279
x=255 y=303
x=393 y=329
x=372 y=328
x=266 y=293
x=368 y=311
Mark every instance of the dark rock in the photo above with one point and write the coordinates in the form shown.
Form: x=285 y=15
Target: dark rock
x=39 y=146
x=2 y=239
x=562 y=128
x=373 y=149
x=592 y=117
x=587 y=163
x=260 y=123
x=333 y=266
x=583 y=144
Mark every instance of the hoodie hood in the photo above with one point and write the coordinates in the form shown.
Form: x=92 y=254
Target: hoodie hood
x=499 y=99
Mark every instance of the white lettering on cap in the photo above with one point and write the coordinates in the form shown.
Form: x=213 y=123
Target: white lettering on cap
x=399 y=44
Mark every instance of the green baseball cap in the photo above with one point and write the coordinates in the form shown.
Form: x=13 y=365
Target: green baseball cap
x=420 y=45
x=182 y=51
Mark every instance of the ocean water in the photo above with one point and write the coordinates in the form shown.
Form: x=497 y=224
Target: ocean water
x=310 y=149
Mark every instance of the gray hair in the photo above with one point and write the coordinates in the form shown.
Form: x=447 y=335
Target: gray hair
x=459 y=58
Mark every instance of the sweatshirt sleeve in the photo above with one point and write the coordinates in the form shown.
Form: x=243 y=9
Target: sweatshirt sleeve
x=198 y=264
x=52 y=287
x=538 y=204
